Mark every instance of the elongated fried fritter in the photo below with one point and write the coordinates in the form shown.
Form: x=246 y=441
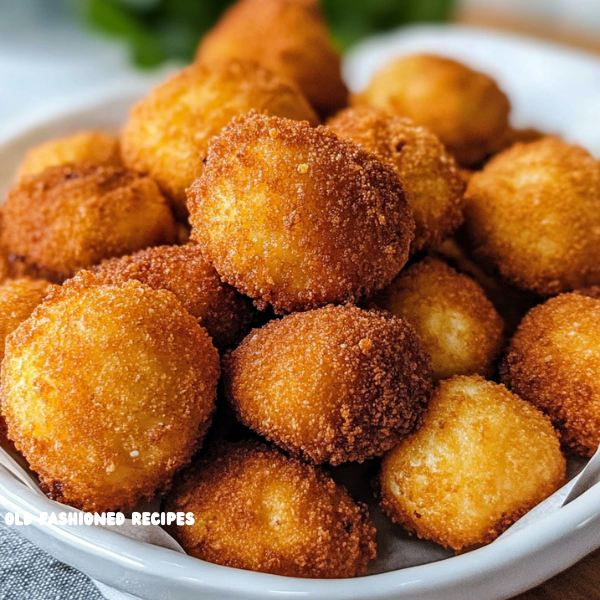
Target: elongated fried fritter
x=294 y=217
x=481 y=460
x=335 y=384
x=107 y=391
x=72 y=216
x=254 y=508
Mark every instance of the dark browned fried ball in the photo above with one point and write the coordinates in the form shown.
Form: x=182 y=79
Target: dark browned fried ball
x=533 y=214
x=294 y=217
x=457 y=324
x=107 y=391
x=465 y=108
x=184 y=271
x=256 y=509
x=290 y=37
x=429 y=175
x=481 y=460
x=168 y=132
x=553 y=361
x=84 y=146
x=335 y=384
x=73 y=216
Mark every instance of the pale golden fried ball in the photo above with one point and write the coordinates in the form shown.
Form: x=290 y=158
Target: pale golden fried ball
x=429 y=175
x=533 y=214
x=254 y=508
x=168 y=132
x=465 y=108
x=481 y=460
x=84 y=146
x=553 y=361
x=107 y=391
x=457 y=324
x=288 y=36
x=184 y=271
x=335 y=384
x=294 y=217
x=73 y=216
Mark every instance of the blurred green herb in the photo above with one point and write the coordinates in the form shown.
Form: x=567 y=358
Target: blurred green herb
x=157 y=30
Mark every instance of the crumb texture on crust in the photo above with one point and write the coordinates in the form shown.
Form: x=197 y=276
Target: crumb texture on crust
x=72 y=216
x=553 y=361
x=429 y=174
x=481 y=460
x=288 y=36
x=457 y=324
x=168 y=132
x=256 y=509
x=333 y=385
x=184 y=271
x=297 y=218
x=107 y=391
x=472 y=119
x=533 y=214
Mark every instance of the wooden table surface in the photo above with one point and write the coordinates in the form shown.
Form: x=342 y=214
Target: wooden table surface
x=582 y=581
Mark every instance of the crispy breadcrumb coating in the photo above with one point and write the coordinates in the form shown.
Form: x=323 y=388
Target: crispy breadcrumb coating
x=107 y=391
x=335 y=384
x=290 y=37
x=429 y=175
x=257 y=509
x=184 y=271
x=533 y=214
x=168 y=132
x=481 y=460
x=449 y=311
x=465 y=108
x=294 y=217
x=84 y=146
x=553 y=361
x=73 y=216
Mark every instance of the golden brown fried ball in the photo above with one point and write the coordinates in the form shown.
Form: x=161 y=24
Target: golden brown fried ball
x=168 y=132
x=107 y=391
x=553 y=361
x=481 y=460
x=183 y=270
x=458 y=326
x=289 y=37
x=465 y=108
x=294 y=217
x=432 y=182
x=335 y=384
x=257 y=509
x=73 y=216
x=84 y=146
x=533 y=214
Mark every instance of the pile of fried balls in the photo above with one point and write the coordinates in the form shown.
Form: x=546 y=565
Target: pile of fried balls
x=263 y=276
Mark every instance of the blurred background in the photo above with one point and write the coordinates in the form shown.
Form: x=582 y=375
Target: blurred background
x=51 y=49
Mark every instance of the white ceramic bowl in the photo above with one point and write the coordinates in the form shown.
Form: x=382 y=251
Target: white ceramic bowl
x=506 y=567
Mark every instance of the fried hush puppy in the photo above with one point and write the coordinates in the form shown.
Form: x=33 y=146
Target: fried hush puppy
x=290 y=37
x=167 y=133
x=84 y=146
x=256 y=509
x=429 y=175
x=183 y=270
x=533 y=215
x=465 y=108
x=481 y=460
x=107 y=391
x=553 y=361
x=333 y=385
x=297 y=218
x=73 y=216
x=458 y=326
